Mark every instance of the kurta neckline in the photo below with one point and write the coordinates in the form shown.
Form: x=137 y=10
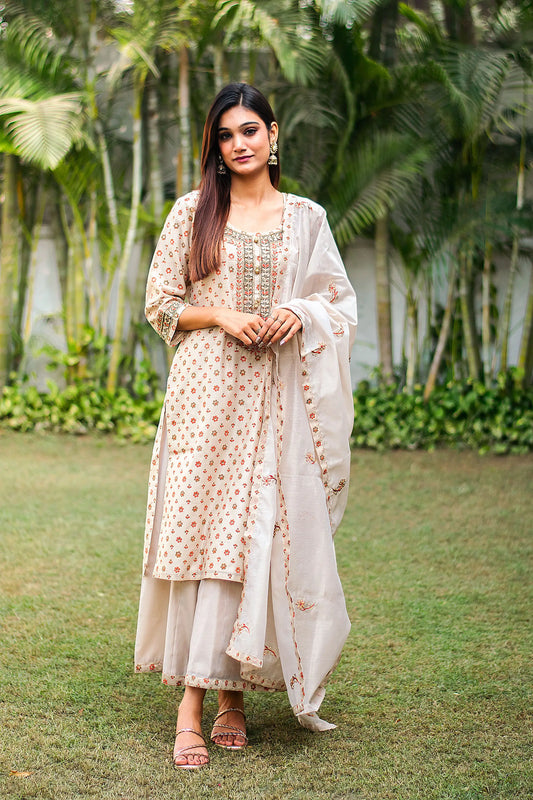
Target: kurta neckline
x=262 y=234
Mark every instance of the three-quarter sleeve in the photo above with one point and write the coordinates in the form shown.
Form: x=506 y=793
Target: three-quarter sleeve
x=166 y=288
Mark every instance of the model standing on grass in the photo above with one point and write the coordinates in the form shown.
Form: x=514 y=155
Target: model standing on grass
x=249 y=473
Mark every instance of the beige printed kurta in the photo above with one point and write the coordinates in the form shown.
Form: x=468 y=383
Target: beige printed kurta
x=257 y=448
x=215 y=401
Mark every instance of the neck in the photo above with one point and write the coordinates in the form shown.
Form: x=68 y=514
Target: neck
x=251 y=191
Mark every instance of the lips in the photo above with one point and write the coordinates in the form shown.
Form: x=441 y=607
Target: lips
x=242 y=159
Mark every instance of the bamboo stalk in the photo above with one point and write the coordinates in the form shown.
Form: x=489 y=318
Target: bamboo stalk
x=32 y=266
x=469 y=332
x=184 y=154
x=505 y=327
x=485 y=322
x=525 y=357
x=443 y=334
x=383 y=297
x=122 y=273
x=412 y=341
x=8 y=261
x=154 y=161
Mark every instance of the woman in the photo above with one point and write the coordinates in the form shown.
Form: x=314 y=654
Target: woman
x=250 y=466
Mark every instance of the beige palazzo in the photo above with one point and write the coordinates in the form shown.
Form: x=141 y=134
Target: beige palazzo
x=250 y=467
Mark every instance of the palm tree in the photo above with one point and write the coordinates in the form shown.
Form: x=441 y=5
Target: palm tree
x=40 y=121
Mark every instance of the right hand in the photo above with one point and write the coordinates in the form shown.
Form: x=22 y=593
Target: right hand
x=243 y=327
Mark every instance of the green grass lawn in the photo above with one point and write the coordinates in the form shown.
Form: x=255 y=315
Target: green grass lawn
x=432 y=697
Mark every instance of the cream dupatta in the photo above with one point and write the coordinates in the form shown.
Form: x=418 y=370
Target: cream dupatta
x=311 y=417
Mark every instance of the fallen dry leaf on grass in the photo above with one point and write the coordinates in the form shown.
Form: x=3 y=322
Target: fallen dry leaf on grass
x=17 y=774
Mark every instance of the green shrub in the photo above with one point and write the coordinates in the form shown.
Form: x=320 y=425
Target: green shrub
x=496 y=419
x=81 y=408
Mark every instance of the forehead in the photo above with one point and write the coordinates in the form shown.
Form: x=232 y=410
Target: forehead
x=237 y=116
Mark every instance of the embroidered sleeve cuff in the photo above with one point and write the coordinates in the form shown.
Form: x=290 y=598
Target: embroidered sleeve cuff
x=168 y=318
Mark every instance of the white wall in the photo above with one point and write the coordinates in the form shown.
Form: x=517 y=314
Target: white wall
x=46 y=324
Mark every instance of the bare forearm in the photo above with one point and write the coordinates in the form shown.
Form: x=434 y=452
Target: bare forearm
x=194 y=317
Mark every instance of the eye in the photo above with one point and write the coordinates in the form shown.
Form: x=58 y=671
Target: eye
x=223 y=136
x=250 y=131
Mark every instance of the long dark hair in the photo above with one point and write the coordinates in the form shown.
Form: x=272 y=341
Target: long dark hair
x=214 y=201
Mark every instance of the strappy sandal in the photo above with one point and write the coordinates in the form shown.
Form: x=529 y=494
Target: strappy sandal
x=231 y=730
x=183 y=751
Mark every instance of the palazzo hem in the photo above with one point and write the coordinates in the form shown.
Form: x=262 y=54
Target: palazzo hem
x=208 y=683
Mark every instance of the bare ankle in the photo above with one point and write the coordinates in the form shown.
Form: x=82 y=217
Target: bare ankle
x=229 y=699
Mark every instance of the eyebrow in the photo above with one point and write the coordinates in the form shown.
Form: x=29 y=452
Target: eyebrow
x=244 y=125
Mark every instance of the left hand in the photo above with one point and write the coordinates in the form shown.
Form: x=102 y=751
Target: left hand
x=279 y=326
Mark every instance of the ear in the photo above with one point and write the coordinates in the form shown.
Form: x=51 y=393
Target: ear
x=273 y=133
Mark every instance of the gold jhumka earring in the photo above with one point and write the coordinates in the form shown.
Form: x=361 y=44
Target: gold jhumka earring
x=273 y=159
x=221 y=167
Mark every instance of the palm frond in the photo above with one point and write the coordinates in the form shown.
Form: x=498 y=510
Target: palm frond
x=29 y=42
x=348 y=13
x=287 y=30
x=43 y=131
x=375 y=178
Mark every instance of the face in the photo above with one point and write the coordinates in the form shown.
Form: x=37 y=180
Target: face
x=244 y=140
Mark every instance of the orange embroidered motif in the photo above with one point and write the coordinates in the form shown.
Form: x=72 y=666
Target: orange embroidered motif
x=242 y=627
x=303 y=606
x=340 y=486
x=333 y=292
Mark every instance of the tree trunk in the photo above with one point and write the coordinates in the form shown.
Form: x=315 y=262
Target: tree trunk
x=155 y=178
x=219 y=67
x=412 y=341
x=443 y=335
x=122 y=274
x=61 y=249
x=137 y=303
x=27 y=285
x=8 y=262
x=485 y=324
x=513 y=266
x=31 y=209
x=459 y=22
x=77 y=299
x=383 y=297
x=184 y=154
x=382 y=45
x=245 y=61
x=109 y=190
x=505 y=327
x=467 y=315
x=89 y=267
x=525 y=357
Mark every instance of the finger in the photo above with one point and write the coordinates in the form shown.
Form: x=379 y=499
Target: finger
x=295 y=327
x=273 y=331
x=265 y=328
x=280 y=331
x=253 y=328
x=247 y=335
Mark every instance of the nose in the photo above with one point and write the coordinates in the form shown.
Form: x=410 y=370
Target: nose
x=238 y=142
